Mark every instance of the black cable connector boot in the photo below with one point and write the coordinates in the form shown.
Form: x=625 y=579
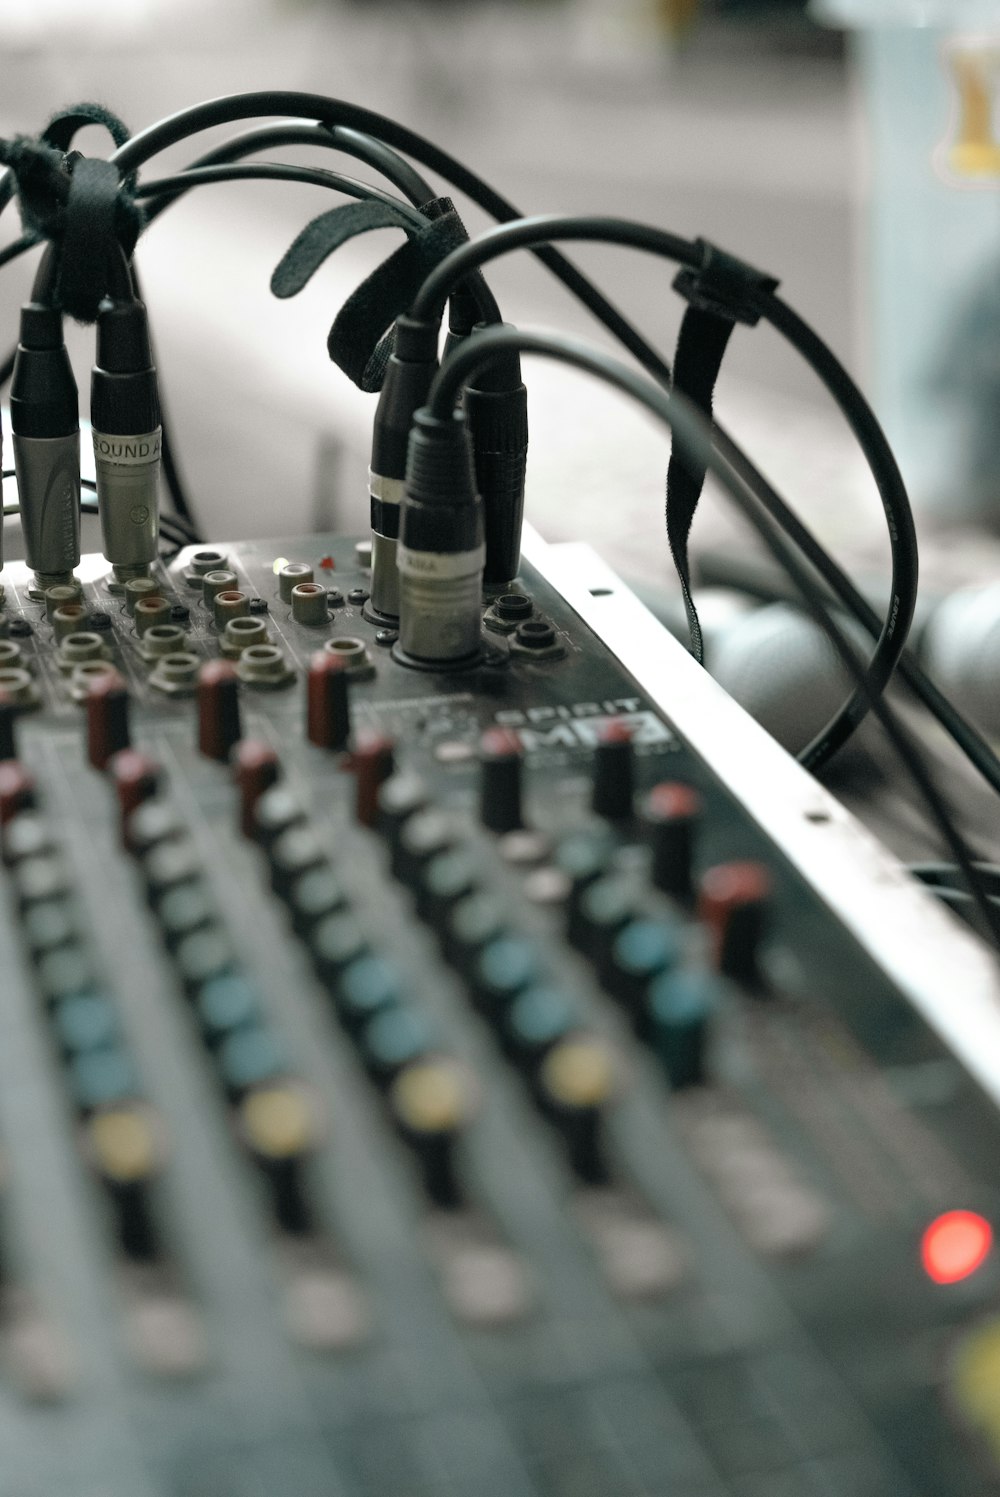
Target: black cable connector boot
x=496 y=407
x=441 y=548
x=411 y=367
x=125 y=412
x=45 y=422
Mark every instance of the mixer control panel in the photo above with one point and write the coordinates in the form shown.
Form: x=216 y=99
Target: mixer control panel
x=448 y=1082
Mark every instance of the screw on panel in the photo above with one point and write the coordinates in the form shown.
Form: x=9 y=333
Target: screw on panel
x=18 y=685
x=218 y=581
x=241 y=634
x=263 y=665
x=176 y=673
x=58 y=597
x=71 y=618
x=309 y=604
x=354 y=654
x=290 y=575
x=83 y=645
x=230 y=604
x=150 y=613
x=200 y=563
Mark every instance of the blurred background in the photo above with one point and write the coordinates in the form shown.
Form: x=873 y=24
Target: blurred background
x=846 y=146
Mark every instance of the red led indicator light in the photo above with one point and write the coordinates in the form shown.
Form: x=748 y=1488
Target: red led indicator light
x=955 y=1245
x=327 y=563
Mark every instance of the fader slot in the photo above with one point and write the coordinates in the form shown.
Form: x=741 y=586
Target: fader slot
x=430 y=1098
x=120 y=1137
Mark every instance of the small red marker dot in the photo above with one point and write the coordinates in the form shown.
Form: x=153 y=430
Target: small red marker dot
x=955 y=1245
x=328 y=564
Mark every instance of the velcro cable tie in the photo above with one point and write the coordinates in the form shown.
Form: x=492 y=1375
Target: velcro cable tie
x=99 y=224
x=723 y=291
x=318 y=240
x=724 y=284
x=369 y=312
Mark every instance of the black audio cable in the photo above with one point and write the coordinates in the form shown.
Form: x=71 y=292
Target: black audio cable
x=274 y=171
x=171 y=188
x=232 y=108
x=10 y=252
x=529 y=233
x=830 y=747
x=235 y=107
x=694 y=434
x=337 y=112
x=388 y=163
x=176 y=487
x=729 y=572
x=495 y=403
x=338 y=116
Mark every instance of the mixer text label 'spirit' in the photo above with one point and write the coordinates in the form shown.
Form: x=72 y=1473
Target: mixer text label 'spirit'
x=583 y=723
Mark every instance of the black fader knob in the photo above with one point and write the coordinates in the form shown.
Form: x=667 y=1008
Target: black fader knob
x=732 y=901
x=500 y=762
x=641 y=950
x=136 y=779
x=274 y=813
x=680 y=1005
x=444 y=881
x=604 y=907
x=423 y=837
x=17 y=790
x=107 y=718
x=614 y=772
x=328 y=715
x=256 y=768
x=432 y=1101
x=8 y=719
x=399 y=797
x=670 y=816
x=574 y=1086
x=372 y=763
x=219 y=726
x=469 y=928
x=582 y=857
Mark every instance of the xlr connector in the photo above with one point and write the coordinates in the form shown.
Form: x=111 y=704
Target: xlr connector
x=125 y=414
x=45 y=424
x=411 y=367
x=441 y=548
x=495 y=402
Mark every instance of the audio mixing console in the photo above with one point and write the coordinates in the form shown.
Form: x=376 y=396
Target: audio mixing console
x=521 y=1080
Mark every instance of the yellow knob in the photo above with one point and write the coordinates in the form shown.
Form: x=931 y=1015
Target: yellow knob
x=432 y=1096
x=278 y=1122
x=976 y=1381
x=578 y=1073
x=124 y=1144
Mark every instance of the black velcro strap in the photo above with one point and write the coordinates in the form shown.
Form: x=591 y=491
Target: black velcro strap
x=701 y=345
x=722 y=291
x=366 y=317
x=62 y=127
x=328 y=232
x=725 y=285
x=38 y=174
x=360 y=340
x=95 y=229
